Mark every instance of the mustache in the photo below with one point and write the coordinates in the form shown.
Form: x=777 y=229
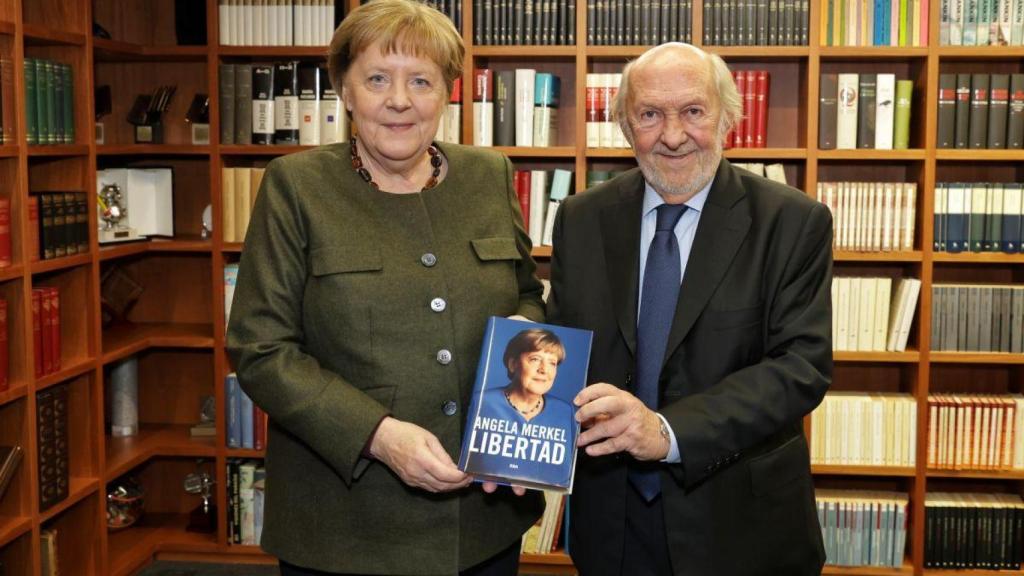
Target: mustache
x=682 y=151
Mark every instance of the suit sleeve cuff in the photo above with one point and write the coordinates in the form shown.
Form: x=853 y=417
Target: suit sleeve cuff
x=673 y=448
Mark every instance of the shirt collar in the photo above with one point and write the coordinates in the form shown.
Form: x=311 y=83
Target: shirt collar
x=652 y=199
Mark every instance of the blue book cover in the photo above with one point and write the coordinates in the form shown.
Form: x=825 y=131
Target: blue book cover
x=232 y=396
x=245 y=422
x=521 y=427
x=1012 y=218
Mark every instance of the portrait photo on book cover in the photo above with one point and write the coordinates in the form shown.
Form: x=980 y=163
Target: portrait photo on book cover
x=521 y=427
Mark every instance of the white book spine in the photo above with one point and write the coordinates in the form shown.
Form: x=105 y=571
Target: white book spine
x=882 y=305
x=309 y=125
x=885 y=103
x=608 y=86
x=483 y=124
x=1017 y=31
x=592 y=115
x=538 y=201
x=286 y=116
x=909 y=215
x=846 y=127
x=248 y=29
x=453 y=123
x=223 y=23
x=956 y=22
x=525 y=80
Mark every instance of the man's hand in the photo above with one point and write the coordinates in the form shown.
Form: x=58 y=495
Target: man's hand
x=490 y=487
x=416 y=456
x=618 y=422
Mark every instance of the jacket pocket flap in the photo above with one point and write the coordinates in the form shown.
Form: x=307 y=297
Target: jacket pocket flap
x=779 y=467
x=496 y=249
x=334 y=260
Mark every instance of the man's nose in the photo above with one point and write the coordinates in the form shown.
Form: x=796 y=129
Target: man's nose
x=674 y=134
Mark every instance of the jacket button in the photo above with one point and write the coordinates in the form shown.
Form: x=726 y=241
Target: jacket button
x=450 y=408
x=438 y=304
x=444 y=356
x=428 y=260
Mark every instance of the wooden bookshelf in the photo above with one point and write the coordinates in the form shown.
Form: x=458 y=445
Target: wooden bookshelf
x=175 y=329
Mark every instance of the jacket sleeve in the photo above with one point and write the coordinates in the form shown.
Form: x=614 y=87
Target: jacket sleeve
x=749 y=405
x=531 y=290
x=266 y=339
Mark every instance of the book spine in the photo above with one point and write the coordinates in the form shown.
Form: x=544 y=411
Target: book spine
x=947 y=111
x=828 y=111
x=978 y=123
x=998 y=106
x=901 y=116
x=226 y=100
x=243 y=104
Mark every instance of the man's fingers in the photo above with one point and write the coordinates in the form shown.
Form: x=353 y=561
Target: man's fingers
x=589 y=393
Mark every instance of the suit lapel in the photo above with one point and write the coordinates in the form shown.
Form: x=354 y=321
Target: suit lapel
x=620 y=230
x=721 y=231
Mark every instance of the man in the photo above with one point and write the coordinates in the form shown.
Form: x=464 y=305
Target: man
x=695 y=462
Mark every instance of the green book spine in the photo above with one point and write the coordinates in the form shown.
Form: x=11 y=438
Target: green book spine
x=42 y=127
x=31 y=116
x=51 y=104
x=69 y=104
x=58 y=112
x=903 y=22
x=901 y=124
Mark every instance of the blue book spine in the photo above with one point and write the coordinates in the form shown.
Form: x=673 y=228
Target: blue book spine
x=1012 y=234
x=879 y=30
x=886 y=22
x=232 y=393
x=245 y=407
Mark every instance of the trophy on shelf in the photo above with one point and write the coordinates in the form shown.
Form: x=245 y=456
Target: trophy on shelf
x=147 y=112
x=204 y=517
x=112 y=211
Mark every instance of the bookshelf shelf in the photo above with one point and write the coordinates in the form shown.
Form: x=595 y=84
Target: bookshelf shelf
x=849 y=256
x=907 y=568
x=986 y=53
x=766 y=153
x=976 y=358
x=125 y=453
x=123 y=249
x=78 y=489
x=973 y=572
x=12 y=528
x=542 y=251
x=871 y=52
x=127 y=339
x=177 y=244
x=525 y=51
x=152 y=150
x=44 y=266
x=74 y=367
x=58 y=150
x=245 y=453
x=867 y=154
x=977 y=474
x=609 y=153
x=273 y=51
x=9 y=150
x=37 y=35
x=910 y=356
x=256 y=150
x=11 y=272
x=116 y=51
x=13 y=393
x=980 y=155
x=132 y=547
x=553 y=559
x=7 y=27
x=842 y=470
x=537 y=152
x=980 y=258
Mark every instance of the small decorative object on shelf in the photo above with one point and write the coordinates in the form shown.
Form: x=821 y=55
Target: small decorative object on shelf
x=149 y=195
x=112 y=211
x=125 y=499
x=198 y=117
x=124 y=397
x=204 y=517
x=146 y=115
x=118 y=292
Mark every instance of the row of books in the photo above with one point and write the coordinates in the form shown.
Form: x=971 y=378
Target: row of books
x=238 y=195
x=638 y=22
x=774 y=171
x=49 y=564
x=871 y=216
x=449 y=129
x=977 y=318
x=602 y=130
x=544 y=536
x=975 y=432
x=539 y=193
x=978 y=217
x=868 y=316
x=862 y=429
x=246 y=423
x=515 y=107
x=874 y=23
x=756 y=22
x=752 y=129
x=981 y=22
x=973 y=531
x=46 y=330
x=49 y=102
x=450 y=8
x=595 y=177
x=864 y=111
x=58 y=224
x=246 y=487
x=863 y=527
x=981 y=111
x=522 y=22
x=287 y=102
x=52 y=446
x=278 y=22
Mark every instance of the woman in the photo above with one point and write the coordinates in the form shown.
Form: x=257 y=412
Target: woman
x=369 y=272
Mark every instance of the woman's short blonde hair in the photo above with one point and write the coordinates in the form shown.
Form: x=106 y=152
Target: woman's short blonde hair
x=402 y=26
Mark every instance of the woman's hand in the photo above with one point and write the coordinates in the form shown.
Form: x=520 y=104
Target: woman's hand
x=416 y=456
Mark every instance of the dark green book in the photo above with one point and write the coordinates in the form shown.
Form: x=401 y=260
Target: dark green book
x=46 y=236
x=51 y=104
x=69 y=104
x=31 y=115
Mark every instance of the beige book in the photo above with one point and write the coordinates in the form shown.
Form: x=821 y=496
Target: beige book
x=866 y=315
x=883 y=290
x=227 y=202
x=243 y=202
x=909 y=215
x=933 y=432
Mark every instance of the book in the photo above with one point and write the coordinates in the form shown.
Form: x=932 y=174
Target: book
x=10 y=458
x=521 y=428
x=901 y=116
x=286 y=102
x=483 y=107
x=545 y=112
x=262 y=104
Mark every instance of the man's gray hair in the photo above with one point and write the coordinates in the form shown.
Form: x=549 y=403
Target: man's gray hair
x=729 y=99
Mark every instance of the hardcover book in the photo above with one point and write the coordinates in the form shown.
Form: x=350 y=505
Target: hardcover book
x=522 y=428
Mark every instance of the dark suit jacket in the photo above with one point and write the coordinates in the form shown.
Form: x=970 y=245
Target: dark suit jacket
x=749 y=354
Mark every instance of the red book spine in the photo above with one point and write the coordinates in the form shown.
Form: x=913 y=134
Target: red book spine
x=739 y=133
x=259 y=428
x=593 y=103
x=33 y=226
x=54 y=296
x=456 y=95
x=522 y=185
x=4 y=354
x=749 y=108
x=47 y=319
x=5 y=232
x=761 y=133
x=37 y=330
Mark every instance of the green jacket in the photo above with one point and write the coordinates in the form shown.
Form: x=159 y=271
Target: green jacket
x=351 y=304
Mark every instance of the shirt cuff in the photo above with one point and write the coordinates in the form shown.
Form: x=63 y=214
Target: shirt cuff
x=673 y=448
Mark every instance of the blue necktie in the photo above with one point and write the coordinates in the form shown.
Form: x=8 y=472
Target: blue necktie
x=657 y=309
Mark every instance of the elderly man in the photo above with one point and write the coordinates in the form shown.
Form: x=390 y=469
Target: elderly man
x=707 y=289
